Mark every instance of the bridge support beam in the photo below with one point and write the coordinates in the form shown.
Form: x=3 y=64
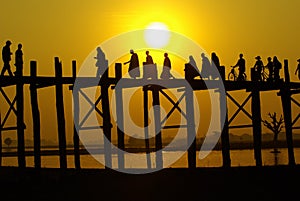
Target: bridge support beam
x=256 y=121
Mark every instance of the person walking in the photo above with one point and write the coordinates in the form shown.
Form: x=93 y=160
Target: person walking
x=134 y=65
x=6 y=57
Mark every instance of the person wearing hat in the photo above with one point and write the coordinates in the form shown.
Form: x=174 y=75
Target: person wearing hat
x=6 y=57
x=298 y=69
x=259 y=68
x=134 y=65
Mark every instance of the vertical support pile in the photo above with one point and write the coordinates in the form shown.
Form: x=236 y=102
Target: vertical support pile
x=120 y=117
x=60 y=114
x=146 y=124
x=191 y=133
x=76 y=119
x=0 y=141
x=287 y=113
x=106 y=119
x=158 y=136
x=225 y=131
x=256 y=121
x=35 y=115
x=20 y=120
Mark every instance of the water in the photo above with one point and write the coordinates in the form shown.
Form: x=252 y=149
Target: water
x=214 y=159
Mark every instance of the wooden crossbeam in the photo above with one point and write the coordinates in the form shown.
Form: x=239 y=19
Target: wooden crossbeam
x=175 y=106
x=11 y=108
x=296 y=119
x=174 y=126
x=8 y=100
x=91 y=128
x=93 y=107
x=240 y=107
x=241 y=126
x=296 y=102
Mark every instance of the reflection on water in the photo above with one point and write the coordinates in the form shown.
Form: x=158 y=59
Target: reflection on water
x=214 y=159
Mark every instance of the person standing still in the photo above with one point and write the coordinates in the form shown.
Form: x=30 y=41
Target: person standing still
x=19 y=60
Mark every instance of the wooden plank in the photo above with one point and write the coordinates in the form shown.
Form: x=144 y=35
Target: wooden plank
x=35 y=117
x=60 y=113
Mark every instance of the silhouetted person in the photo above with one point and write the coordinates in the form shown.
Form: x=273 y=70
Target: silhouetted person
x=298 y=69
x=270 y=67
x=166 y=73
x=205 y=72
x=101 y=63
x=134 y=65
x=192 y=61
x=19 y=60
x=258 y=66
x=149 y=59
x=150 y=70
x=241 y=63
x=6 y=57
x=215 y=62
x=277 y=67
x=191 y=69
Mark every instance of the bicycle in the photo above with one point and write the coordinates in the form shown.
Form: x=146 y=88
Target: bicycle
x=264 y=75
x=233 y=76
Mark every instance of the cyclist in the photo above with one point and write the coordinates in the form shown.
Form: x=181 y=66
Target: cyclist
x=241 y=63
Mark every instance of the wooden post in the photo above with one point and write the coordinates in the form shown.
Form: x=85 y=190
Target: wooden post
x=225 y=133
x=256 y=121
x=0 y=140
x=287 y=113
x=106 y=124
x=157 y=121
x=120 y=118
x=189 y=99
x=20 y=120
x=146 y=128
x=118 y=71
x=35 y=116
x=60 y=114
x=76 y=120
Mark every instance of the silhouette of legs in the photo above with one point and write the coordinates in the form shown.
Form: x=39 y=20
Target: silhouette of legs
x=6 y=67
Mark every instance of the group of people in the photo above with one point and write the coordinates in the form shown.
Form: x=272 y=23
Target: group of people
x=134 y=70
x=6 y=57
x=273 y=67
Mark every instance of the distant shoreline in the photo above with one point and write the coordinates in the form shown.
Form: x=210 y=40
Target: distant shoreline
x=83 y=151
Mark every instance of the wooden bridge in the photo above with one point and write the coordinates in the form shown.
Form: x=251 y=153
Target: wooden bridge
x=284 y=88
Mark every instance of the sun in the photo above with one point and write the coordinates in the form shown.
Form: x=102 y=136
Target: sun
x=157 y=35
